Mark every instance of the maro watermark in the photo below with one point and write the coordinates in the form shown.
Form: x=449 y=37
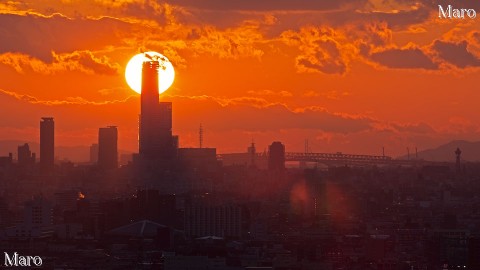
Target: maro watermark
x=450 y=12
x=16 y=260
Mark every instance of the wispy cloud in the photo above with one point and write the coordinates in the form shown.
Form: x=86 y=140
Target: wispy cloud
x=83 y=61
x=68 y=101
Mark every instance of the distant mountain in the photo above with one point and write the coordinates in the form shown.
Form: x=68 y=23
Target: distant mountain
x=79 y=153
x=470 y=152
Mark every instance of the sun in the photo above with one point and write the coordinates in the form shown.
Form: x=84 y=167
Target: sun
x=133 y=72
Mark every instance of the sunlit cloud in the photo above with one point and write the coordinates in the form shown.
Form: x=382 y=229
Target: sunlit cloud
x=266 y=92
x=38 y=36
x=322 y=50
x=68 y=101
x=83 y=61
x=456 y=54
x=404 y=58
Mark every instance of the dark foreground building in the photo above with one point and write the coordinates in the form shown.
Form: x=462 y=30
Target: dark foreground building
x=107 y=147
x=47 y=144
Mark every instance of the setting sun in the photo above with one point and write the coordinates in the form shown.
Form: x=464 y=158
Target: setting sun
x=133 y=72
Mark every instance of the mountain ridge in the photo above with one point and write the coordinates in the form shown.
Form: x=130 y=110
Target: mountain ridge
x=446 y=152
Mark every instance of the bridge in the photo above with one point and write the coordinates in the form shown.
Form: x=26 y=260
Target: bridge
x=346 y=159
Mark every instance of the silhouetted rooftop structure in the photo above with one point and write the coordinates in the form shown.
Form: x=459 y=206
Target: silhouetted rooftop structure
x=143 y=228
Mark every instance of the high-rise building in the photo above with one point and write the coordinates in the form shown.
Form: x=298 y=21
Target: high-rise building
x=47 y=144
x=155 y=134
x=94 y=153
x=107 y=147
x=213 y=220
x=276 y=156
x=25 y=156
x=37 y=213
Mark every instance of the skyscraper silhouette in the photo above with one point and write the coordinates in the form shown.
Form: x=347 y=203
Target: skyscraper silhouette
x=47 y=144
x=276 y=157
x=25 y=156
x=107 y=147
x=155 y=131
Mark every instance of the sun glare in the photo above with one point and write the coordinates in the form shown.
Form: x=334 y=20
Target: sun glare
x=133 y=72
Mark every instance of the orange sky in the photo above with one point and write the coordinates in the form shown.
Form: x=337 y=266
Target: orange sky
x=349 y=76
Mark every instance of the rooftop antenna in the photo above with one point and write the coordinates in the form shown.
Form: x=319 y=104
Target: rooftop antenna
x=408 y=153
x=458 y=154
x=159 y=59
x=383 y=150
x=252 y=151
x=200 y=136
x=306 y=146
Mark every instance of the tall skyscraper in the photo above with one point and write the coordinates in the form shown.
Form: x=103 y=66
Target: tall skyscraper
x=25 y=156
x=107 y=147
x=155 y=131
x=276 y=156
x=47 y=144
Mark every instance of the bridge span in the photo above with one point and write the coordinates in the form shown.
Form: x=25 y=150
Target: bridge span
x=347 y=159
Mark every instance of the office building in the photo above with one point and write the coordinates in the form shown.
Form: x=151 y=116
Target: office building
x=107 y=147
x=213 y=220
x=276 y=156
x=202 y=159
x=25 y=156
x=155 y=131
x=47 y=144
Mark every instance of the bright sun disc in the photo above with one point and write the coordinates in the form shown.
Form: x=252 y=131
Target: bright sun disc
x=133 y=72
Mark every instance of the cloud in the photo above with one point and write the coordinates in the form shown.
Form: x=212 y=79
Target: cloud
x=257 y=114
x=456 y=53
x=87 y=62
x=460 y=125
x=369 y=36
x=180 y=41
x=332 y=94
x=37 y=35
x=253 y=114
x=83 y=61
x=271 y=93
x=10 y=7
x=266 y=5
x=405 y=58
x=178 y=30
x=397 y=14
x=68 y=101
x=439 y=55
x=375 y=33
x=219 y=115
x=475 y=36
x=418 y=128
x=119 y=3
x=134 y=11
x=434 y=4
x=321 y=63
x=230 y=43
x=322 y=49
x=224 y=119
